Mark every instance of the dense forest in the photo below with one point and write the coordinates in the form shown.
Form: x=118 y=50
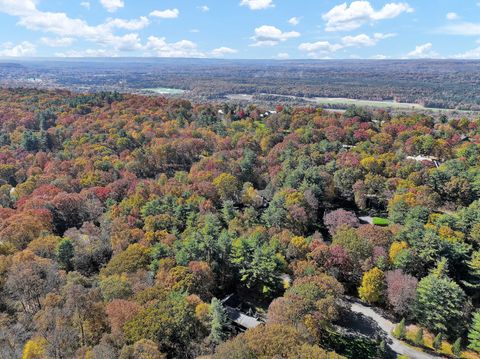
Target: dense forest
x=130 y=224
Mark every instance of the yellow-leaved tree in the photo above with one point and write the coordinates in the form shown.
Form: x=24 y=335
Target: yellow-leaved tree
x=373 y=282
x=35 y=349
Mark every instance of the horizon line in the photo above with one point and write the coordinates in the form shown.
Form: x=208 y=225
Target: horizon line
x=58 y=58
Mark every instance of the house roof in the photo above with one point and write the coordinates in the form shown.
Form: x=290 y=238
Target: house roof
x=242 y=319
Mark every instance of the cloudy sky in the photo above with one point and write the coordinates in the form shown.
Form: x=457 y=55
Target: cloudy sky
x=267 y=29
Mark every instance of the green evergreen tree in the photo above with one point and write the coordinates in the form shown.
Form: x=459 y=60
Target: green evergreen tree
x=43 y=141
x=474 y=333
x=437 y=342
x=65 y=253
x=441 y=303
x=472 y=279
x=276 y=214
x=257 y=261
x=4 y=139
x=29 y=141
x=400 y=330
x=247 y=165
x=457 y=347
x=228 y=211
x=218 y=322
x=382 y=350
x=419 y=338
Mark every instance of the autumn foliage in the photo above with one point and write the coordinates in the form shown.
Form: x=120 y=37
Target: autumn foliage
x=124 y=218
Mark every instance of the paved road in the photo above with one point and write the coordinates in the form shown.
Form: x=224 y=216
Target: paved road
x=396 y=345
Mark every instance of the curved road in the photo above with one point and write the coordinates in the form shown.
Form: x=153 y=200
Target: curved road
x=396 y=345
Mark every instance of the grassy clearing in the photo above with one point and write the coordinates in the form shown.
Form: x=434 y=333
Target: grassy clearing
x=367 y=103
x=165 y=91
x=341 y=102
x=379 y=221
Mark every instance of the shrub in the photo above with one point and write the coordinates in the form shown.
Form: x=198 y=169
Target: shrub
x=457 y=347
x=437 y=342
x=400 y=331
x=419 y=338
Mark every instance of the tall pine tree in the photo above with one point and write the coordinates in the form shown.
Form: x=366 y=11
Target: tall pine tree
x=474 y=333
x=218 y=322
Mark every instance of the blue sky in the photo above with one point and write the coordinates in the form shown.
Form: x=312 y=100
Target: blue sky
x=266 y=29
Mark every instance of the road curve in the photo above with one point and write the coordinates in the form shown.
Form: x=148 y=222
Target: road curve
x=387 y=326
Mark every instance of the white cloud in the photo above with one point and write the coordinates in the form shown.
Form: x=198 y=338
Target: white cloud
x=86 y=4
x=471 y=54
x=364 y=40
x=294 y=21
x=155 y=46
x=359 y=40
x=223 y=51
x=21 y=50
x=65 y=27
x=257 y=4
x=62 y=25
x=322 y=47
x=267 y=35
x=128 y=42
x=283 y=56
x=112 y=5
x=57 y=42
x=58 y=23
x=134 y=24
x=423 y=52
x=204 y=8
x=103 y=35
x=452 y=16
x=184 y=48
x=345 y=18
x=379 y=57
x=87 y=53
x=17 y=7
x=463 y=28
x=391 y=10
x=166 y=14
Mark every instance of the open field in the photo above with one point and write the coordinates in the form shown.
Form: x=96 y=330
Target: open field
x=343 y=103
x=164 y=91
x=368 y=103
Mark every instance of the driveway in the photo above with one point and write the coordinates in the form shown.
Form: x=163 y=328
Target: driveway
x=387 y=326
